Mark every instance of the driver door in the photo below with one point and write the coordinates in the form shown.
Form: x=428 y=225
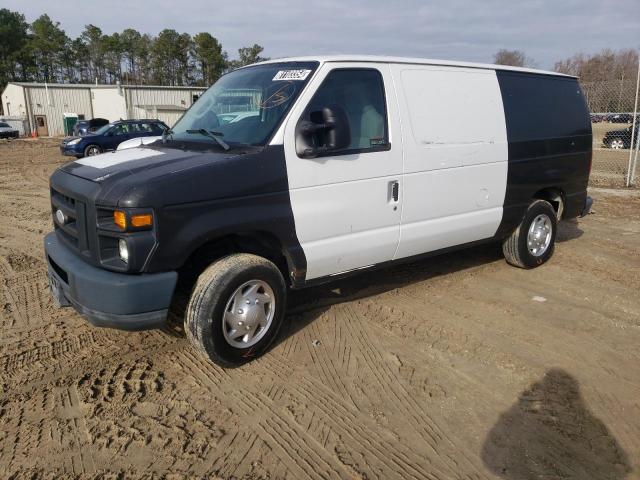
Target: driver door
x=347 y=203
x=117 y=135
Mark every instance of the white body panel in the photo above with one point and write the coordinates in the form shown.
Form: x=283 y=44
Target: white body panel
x=344 y=214
x=449 y=154
x=455 y=156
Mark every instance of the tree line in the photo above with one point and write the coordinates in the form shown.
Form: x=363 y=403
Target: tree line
x=604 y=66
x=41 y=51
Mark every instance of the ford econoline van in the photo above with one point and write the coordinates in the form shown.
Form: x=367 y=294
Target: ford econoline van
x=292 y=172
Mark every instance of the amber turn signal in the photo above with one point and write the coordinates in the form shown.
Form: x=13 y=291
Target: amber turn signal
x=144 y=220
x=120 y=219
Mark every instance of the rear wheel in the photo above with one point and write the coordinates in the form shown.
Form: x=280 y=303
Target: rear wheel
x=533 y=242
x=92 y=150
x=236 y=309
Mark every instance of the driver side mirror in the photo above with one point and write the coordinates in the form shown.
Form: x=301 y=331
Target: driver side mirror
x=326 y=130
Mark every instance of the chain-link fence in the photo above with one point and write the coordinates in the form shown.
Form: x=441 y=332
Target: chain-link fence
x=615 y=139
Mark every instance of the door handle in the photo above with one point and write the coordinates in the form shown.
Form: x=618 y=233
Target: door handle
x=395 y=191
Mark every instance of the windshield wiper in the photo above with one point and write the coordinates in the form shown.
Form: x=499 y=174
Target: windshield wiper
x=217 y=136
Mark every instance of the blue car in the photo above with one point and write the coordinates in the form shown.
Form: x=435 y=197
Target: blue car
x=110 y=136
x=85 y=127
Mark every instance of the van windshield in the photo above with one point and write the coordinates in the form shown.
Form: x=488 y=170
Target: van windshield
x=244 y=107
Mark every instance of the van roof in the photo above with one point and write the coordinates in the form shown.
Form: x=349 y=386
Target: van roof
x=409 y=60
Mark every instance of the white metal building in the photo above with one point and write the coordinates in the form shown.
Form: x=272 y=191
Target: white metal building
x=44 y=106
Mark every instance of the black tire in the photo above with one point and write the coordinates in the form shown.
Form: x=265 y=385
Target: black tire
x=89 y=149
x=204 y=318
x=515 y=247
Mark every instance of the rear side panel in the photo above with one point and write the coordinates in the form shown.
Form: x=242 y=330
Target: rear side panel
x=455 y=156
x=549 y=137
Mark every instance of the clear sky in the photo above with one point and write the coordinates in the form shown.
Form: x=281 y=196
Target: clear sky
x=545 y=30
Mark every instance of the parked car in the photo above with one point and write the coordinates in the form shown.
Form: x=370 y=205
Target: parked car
x=84 y=127
x=110 y=136
x=621 y=118
x=7 y=131
x=347 y=167
x=619 y=139
x=597 y=118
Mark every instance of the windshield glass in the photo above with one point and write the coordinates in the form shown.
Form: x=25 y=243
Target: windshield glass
x=2 y=124
x=103 y=130
x=245 y=106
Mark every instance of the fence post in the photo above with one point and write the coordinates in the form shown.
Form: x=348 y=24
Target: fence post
x=631 y=170
x=635 y=161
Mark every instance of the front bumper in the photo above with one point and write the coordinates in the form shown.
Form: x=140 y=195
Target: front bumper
x=69 y=151
x=15 y=134
x=108 y=299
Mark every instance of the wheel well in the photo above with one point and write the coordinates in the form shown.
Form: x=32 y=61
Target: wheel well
x=554 y=196
x=263 y=244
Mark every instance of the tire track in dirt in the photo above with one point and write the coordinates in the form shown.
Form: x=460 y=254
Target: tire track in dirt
x=293 y=446
x=517 y=341
x=37 y=357
x=392 y=385
x=379 y=456
x=84 y=349
x=72 y=435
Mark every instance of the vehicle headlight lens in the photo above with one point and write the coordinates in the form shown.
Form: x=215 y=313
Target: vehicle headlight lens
x=124 y=250
x=73 y=142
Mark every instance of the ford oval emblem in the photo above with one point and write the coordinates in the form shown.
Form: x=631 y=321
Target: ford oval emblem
x=60 y=216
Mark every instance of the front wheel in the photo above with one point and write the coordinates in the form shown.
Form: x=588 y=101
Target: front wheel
x=533 y=242
x=92 y=150
x=236 y=309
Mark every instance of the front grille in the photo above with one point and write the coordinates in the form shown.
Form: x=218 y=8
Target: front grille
x=73 y=230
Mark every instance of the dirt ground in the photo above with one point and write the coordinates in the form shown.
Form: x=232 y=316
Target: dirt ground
x=458 y=367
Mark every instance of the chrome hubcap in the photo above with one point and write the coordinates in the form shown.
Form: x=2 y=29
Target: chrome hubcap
x=539 y=236
x=617 y=144
x=248 y=314
x=92 y=151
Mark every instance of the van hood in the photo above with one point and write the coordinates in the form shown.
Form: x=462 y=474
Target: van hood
x=152 y=162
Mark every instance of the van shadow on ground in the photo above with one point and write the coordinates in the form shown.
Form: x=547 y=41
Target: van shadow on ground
x=551 y=434
x=306 y=305
x=568 y=230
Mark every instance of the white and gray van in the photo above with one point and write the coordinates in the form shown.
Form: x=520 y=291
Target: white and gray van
x=292 y=172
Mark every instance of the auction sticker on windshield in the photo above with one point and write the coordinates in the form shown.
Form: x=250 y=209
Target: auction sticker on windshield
x=300 y=74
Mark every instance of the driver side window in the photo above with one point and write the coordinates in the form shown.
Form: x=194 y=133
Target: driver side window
x=360 y=93
x=119 y=129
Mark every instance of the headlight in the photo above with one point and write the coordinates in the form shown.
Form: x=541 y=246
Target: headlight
x=73 y=142
x=124 y=250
